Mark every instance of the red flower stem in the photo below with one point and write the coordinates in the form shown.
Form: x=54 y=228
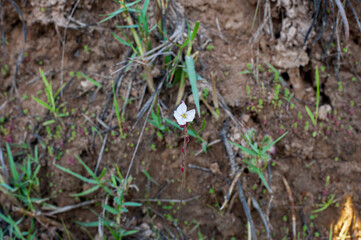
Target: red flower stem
x=186 y=139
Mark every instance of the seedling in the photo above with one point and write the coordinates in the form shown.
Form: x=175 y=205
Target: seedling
x=50 y=105
x=113 y=189
x=325 y=205
x=117 y=112
x=210 y=48
x=258 y=155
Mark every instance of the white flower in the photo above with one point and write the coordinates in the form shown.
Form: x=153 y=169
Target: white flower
x=182 y=115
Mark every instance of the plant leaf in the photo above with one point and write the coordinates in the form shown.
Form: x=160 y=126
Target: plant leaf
x=86 y=192
x=309 y=112
x=76 y=175
x=111 y=209
x=273 y=143
x=92 y=81
x=13 y=170
x=44 y=104
x=193 y=81
x=246 y=150
x=132 y=204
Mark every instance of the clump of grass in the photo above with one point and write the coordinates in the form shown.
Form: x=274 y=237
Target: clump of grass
x=23 y=190
x=114 y=190
x=51 y=97
x=257 y=155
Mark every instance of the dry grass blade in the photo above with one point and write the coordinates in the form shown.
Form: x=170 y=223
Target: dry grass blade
x=71 y=207
x=117 y=84
x=228 y=147
x=324 y=23
x=246 y=210
x=128 y=91
x=42 y=220
x=316 y=10
x=101 y=152
x=263 y=217
x=355 y=14
x=144 y=124
x=149 y=102
x=167 y=200
x=230 y=190
x=160 y=215
x=344 y=19
x=292 y=202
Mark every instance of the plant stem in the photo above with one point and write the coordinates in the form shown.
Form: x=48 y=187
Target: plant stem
x=186 y=140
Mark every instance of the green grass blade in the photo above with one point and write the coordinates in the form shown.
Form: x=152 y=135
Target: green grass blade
x=261 y=176
x=110 y=209
x=12 y=223
x=48 y=89
x=150 y=178
x=193 y=80
x=88 y=224
x=122 y=41
x=253 y=146
x=76 y=175
x=326 y=205
x=92 y=81
x=117 y=112
x=86 y=192
x=273 y=143
x=128 y=26
x=43 y=104
x=113 y=14
x=130 y=232
x=143 y=17
x=310 y=114
x=244 y=149
x=132 y=204
x=189 y=132
x=12 y=165
x=87 y=168
x=195 y=30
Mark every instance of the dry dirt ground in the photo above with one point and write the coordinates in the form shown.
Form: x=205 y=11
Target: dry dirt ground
x=314 y=167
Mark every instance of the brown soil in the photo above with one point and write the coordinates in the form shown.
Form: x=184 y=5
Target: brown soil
x=303 y=160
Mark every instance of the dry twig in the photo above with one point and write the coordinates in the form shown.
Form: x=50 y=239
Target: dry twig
x=292 y=202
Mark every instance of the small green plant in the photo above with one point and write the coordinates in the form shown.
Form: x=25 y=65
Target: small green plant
x=22 y=188
x=210 y=48
x=80 y=75
x=4 y=69
x=114 y=190
x=325 y=205
x=120 y=118
x=258 y=155
x=86 y=49
x=51 y=104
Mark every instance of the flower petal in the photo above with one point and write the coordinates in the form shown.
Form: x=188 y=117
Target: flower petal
x=181 y=120
x=182 y=108
x=190 y=115
x=177 y=116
